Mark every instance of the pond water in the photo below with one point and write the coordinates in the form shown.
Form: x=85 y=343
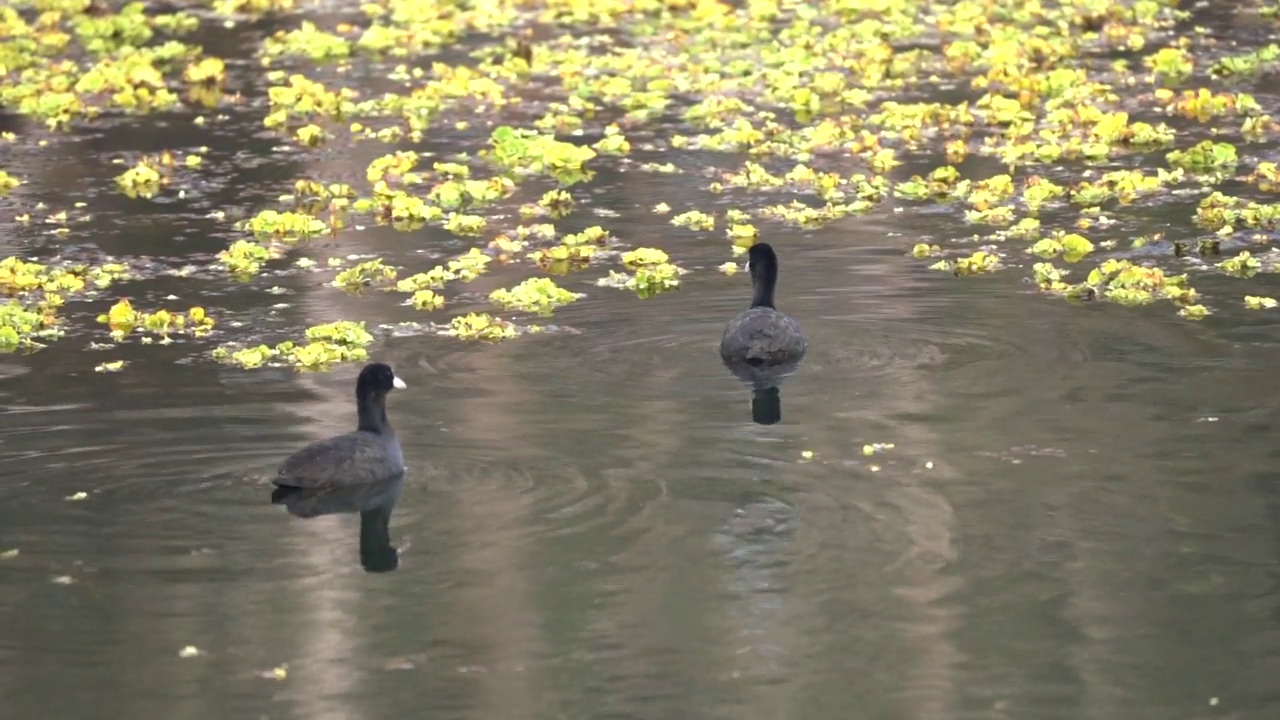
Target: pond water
x=1078 y=516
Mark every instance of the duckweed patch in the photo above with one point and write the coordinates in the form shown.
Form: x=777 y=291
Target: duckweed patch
x=481 y=326
x=324 y=346
x=363 y=275
x=8 y=182
x=1042 y=129
x=123 y=319
x=540 y=295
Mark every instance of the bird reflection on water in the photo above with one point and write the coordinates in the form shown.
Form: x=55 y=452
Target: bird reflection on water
x=374 y=501
x=766 y=395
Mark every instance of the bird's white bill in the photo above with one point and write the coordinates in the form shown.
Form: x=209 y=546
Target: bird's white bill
x=397 y=383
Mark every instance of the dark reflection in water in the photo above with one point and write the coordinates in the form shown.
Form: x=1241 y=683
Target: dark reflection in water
x=374 y=501
x=765 y=382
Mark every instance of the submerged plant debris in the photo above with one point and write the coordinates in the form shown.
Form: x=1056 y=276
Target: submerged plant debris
x=1046 y=131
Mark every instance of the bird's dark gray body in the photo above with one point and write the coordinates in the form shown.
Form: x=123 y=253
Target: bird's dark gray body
x=356 y=457
x=762 y=337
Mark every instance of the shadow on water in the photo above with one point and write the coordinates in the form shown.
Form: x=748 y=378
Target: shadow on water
x=374 y=501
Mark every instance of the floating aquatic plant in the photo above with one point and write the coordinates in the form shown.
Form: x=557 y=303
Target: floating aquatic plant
x=574 y=250
x=327 y=345
x=285 y=225
x=1204 y=156
x=481 y=326
x=426 y=300
x=141 y=180
x=1072 y=246
x=365 y=274
x=22 y=327
x=540 y=295
x=650 y=278
x=1266 y=176
x=644 y=256
x=465 y=268
x=530 y=152
x=244 y=258
x=123 y=319
x=695 y=220
x=1242 y=265
x=8 y=182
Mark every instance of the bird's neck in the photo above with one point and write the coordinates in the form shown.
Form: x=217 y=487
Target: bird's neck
x=372 y=415
x=763 y=285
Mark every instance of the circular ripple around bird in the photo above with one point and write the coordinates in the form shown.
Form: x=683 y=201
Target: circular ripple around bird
x=891 y=346
x=135 y=490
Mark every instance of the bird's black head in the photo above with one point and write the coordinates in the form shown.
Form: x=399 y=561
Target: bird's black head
x=760 y=255
x=377 y=379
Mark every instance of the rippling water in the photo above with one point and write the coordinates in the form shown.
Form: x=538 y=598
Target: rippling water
x=1078 y=519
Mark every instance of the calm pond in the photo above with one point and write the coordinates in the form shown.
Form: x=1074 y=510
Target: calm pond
x=992 y=493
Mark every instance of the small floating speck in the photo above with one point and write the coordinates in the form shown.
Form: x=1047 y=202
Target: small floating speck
x=78 y=496
x=874 y=448
x=806 y=455
x=189 y=651
x=63 y=580
x=928 y=465
x=1213 y=701
x=9 y=554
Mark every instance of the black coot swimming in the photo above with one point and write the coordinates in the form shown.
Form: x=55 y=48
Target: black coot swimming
x=370 y=454
x=762 y=336
x=761 y=346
